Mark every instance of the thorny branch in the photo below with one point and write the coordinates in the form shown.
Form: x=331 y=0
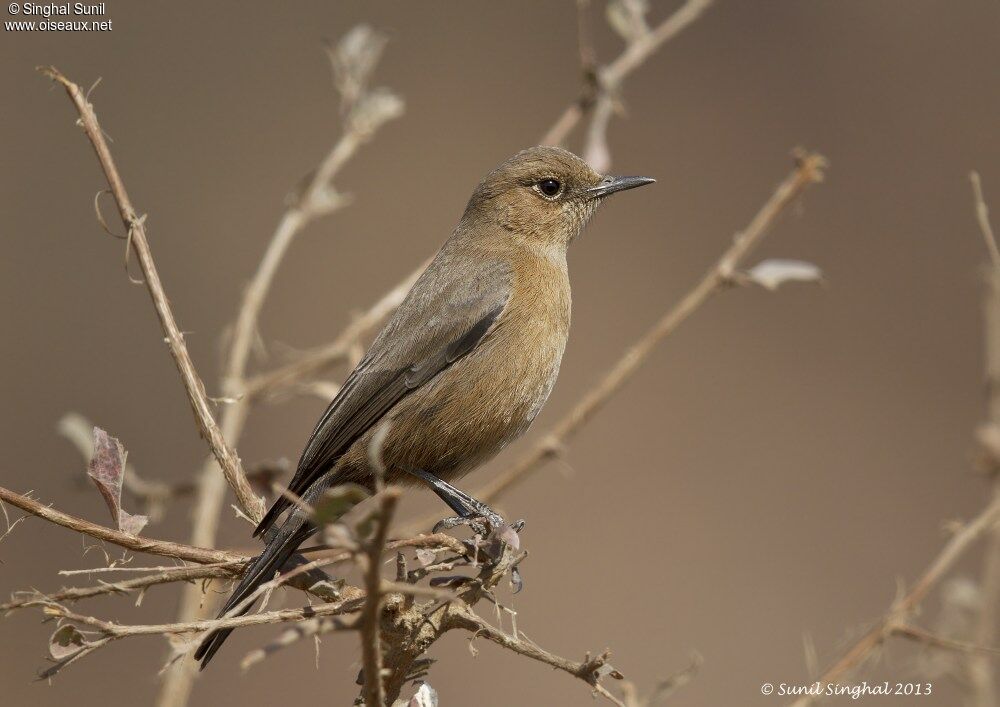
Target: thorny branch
x=603 y=84
x=895 y=621
x=136 y=228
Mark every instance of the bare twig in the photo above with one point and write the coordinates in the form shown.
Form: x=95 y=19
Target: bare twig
x=373 y=689
x=897 y=615
x=980 y=668
x=983 y=217
x=135 y=225
x=930 y=639
x=589 y=670
x=163 y=548
x=364 y=112
x=609 y=78
x=315 y=361
x=139 y=584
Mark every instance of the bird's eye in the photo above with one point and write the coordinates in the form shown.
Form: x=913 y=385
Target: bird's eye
x=549 y=187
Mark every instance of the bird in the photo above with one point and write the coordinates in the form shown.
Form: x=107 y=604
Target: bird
x=463 y=366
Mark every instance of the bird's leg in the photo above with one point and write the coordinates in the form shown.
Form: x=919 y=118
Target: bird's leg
x=470 y=510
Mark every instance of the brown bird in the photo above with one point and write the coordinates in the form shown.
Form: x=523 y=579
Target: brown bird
x=465 y=364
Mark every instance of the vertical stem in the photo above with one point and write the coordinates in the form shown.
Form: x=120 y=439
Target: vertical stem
x=983 y=686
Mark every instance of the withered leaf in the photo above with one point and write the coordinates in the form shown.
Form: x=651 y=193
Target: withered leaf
x=66 y=641
x=771 y=274
x=107 y=471
x=516 y=580
x=425 y=556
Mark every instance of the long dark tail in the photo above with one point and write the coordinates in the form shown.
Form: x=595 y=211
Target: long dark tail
x=279 y=549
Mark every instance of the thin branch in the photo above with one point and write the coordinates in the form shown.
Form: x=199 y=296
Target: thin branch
x=610 y=77
x=135 y=225
x=314 y=362
x=980 y=668
x=364 y=112
x=373 y=689
x=930 y=639
x=899 y=612
x=140 y=584
x=117 y=631
x=983 y=217
x=589 y=670
x=164 y=548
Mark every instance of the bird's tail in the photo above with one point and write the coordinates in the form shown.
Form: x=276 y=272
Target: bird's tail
x=279 y=549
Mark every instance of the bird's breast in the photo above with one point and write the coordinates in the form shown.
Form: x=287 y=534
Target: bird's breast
x=490 y=397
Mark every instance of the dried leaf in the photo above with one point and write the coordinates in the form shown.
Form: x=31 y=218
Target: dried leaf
x=66 y=642
x=354 y=58
x=516 y=580
x=771 y=274
x=426 y=696
x=425 y=556
x=107 y=471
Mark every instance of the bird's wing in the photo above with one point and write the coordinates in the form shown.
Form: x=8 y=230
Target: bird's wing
x=442 y=319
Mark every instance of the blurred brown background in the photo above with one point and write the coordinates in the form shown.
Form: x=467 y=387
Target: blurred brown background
x=771 y=473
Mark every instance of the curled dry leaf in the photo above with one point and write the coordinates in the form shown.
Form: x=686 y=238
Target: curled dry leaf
x=771 y=274
x=354 y=58
x=66 y=642
x=107 y=471
x=425 y=556
x=516 y=580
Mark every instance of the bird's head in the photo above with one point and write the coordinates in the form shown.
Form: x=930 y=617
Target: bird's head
x=545 y=195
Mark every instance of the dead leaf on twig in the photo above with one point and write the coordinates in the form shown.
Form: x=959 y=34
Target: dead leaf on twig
x=771 y=274
x=66 y=642
x=107 y=471
x=425 y=556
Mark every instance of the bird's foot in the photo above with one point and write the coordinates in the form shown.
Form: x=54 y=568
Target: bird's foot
x=482 y=522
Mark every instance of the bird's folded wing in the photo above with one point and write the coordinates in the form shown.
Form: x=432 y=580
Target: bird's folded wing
x=440 y=321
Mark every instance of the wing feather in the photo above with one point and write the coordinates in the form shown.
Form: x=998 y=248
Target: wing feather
x=440 y=321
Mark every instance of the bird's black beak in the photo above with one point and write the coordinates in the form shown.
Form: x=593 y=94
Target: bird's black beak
x=609 y=185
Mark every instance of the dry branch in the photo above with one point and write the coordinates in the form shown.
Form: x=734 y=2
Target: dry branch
x=897 y=617
x=135 y=226
x=896 y=620
x=164 y=548
x=373 y=689
x=607 y=80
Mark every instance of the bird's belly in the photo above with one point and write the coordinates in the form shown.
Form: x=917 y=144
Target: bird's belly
x=473 y=409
